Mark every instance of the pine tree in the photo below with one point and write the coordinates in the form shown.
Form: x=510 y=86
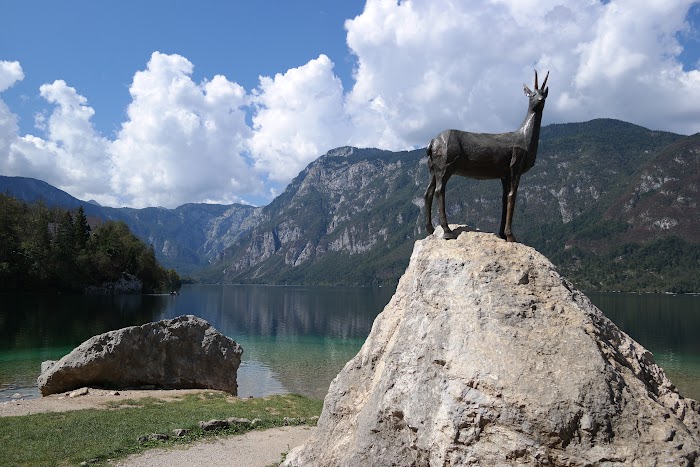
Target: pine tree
x=81 y=229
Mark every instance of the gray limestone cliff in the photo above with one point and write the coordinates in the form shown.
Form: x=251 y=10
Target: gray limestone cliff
x=486 y=356
x=126 y=284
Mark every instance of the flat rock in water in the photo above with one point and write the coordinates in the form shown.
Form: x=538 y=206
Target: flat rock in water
x=180 y=353
x=487 y=356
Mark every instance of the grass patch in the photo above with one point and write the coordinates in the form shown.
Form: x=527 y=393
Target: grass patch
x=96 y=435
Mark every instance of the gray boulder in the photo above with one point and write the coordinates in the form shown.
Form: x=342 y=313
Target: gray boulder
x=487 y=356
x=180 y=353
x=126 y=284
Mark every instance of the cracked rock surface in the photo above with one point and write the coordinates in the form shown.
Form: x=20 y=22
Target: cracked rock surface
x=487 y=356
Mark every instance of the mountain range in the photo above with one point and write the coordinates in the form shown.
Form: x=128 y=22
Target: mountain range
x=613 y=204
x=185 y=238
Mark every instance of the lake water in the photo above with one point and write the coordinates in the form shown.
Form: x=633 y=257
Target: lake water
x=295 y=339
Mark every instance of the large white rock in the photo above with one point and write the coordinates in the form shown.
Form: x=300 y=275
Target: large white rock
x=487 y=356
x=180 y=353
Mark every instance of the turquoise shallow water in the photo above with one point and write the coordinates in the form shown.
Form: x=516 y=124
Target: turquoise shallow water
x=295 y=339
x=667 y=325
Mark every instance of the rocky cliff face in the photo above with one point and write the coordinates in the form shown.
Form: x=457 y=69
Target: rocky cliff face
x=190 y=235
x=665 y=195
x=349 y=203
x=126 y=284
x=580 y=163
x=487 y=356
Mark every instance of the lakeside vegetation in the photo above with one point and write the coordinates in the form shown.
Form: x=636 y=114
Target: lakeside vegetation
x=50 y=249
x=664 y=265
x=597 y=254
x=95 y=436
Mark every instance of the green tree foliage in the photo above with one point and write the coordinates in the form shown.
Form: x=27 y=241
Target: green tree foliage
x=81 y=230
x=47 y=249
x=665 y=265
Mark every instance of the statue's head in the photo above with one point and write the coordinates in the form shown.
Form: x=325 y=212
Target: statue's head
x=537 y=96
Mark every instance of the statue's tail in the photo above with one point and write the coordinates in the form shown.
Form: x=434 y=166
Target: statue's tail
x=429 y=153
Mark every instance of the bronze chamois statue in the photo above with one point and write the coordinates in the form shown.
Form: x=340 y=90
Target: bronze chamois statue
x=486 y=156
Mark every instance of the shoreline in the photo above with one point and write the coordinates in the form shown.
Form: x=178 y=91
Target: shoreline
x=94 y=399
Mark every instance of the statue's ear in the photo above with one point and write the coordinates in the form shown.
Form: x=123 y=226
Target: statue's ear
x=545 y=92
x=528 y=93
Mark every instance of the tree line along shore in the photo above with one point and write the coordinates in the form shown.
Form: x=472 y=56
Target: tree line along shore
x=49 y=249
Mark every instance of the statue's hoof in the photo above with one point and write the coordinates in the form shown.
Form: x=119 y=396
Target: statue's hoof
x=511 y=238
x=449 y=235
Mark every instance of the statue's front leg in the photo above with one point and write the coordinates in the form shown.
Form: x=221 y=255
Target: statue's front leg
x=510 y=208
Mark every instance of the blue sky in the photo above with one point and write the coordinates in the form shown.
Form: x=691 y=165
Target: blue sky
x=162 y=103
x=97 y=46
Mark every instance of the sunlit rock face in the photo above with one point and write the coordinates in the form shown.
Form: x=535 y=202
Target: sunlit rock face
x=487 y=356
x=181 y=353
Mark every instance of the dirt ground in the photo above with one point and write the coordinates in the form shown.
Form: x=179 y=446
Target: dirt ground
x=94 y=399
x=252 y=449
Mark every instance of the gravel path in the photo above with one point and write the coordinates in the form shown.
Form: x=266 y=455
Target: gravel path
x=252 y=449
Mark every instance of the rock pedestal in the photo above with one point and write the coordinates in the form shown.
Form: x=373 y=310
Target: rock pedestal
x=180 y=353
x=487 y=356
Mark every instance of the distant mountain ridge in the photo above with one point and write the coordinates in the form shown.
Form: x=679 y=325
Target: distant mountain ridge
x=599 y=188
x=184 y=238
x=31 y=190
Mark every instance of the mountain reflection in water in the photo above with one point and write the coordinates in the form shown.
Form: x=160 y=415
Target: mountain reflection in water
x=295 y=339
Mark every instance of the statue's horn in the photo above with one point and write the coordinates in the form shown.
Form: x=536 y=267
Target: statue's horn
x=536 y=87
x=544 y=84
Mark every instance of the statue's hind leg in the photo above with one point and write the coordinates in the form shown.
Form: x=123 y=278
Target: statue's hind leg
x=428 y=201
x=441 y=182
x=504 y=207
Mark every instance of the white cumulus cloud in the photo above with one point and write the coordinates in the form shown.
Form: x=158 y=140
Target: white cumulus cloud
x=10 y=73
x=424 y=66
x=183 y=141
x=71 y=155
x=629 y=69
x=298 y=116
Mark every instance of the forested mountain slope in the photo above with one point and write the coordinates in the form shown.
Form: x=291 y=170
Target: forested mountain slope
x=352 y=215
